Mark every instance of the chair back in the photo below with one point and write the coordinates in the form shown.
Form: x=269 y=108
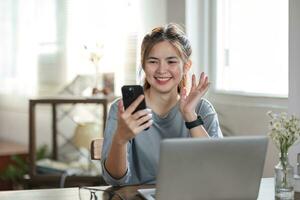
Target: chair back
x=96 y=149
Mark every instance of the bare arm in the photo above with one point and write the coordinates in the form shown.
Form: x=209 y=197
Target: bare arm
x=129 y=125
x=116 y=162
x=198 y=131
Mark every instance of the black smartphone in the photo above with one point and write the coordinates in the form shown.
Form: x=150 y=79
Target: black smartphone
x=131 y=93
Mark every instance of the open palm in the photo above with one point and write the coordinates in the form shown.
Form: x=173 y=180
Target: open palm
x=188 y=102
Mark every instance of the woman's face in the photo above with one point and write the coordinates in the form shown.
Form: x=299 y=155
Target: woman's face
x=164 y=67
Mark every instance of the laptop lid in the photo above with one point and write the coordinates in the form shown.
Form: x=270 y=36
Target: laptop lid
x=195 y=168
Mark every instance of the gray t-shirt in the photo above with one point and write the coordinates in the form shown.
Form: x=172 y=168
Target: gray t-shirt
x=143 y=150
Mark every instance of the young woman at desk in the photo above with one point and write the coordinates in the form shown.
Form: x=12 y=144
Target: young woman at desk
x=130 y=154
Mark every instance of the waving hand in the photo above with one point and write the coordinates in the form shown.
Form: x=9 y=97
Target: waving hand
x=189 y=101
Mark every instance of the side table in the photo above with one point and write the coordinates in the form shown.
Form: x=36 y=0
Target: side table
x=34 y=178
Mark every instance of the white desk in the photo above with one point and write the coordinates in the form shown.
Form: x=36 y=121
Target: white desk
x=267 y=190
x=266 y=193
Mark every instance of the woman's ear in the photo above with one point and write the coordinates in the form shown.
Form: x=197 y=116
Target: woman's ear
x=187 y=66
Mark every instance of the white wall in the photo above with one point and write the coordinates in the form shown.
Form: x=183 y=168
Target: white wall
x=176 y=11
x=153 y=13
x=195 y=23
x=14 y=120
x=159 y=12
x=294 y=68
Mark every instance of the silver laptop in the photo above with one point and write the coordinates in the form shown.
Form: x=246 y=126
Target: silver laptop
x=209 y=169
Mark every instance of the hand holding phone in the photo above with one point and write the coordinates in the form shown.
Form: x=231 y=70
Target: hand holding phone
x=130 y=93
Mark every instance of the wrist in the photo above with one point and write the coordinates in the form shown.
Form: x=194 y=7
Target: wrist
x=119 y=140
x=195 y=123
x=189 y=117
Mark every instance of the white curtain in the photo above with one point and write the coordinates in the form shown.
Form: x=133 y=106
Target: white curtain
x=112 y=24
x=18 y=46
x=42 y=41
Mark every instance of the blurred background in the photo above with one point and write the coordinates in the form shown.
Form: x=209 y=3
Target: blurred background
x=249 y=49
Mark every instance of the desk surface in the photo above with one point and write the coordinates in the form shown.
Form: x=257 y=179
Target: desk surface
x=129 y=192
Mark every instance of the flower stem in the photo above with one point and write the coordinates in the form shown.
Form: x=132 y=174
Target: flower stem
x=284 y=160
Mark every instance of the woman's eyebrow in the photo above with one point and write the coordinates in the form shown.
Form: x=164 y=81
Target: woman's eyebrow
x=167 y=58
x=172 y=57
x=152 y=58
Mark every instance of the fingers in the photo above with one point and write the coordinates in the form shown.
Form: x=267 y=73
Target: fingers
x=139 y=114
x=145 y=125
x=120 y=106
x=138 y=125
x=183 y=93
x=134 y=105
x=203 y=82
x=144 y=119
x=130 y=124
x=193 y=82
x=135 y=121
x=205 y=88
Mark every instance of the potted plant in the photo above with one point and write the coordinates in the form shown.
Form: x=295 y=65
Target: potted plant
x=13 y=175
x=284 y=130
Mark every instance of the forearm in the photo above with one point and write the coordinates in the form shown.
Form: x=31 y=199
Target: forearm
x=116 y=162
x=198 y=131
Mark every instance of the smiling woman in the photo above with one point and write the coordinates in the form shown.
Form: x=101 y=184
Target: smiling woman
x=131 y=139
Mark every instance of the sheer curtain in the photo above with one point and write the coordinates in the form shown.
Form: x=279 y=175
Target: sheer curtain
x=112 y=24
x=18 y=46
x=42 y=42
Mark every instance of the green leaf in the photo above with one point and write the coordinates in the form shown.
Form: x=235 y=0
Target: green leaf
x=20 y=166
x=42 y=152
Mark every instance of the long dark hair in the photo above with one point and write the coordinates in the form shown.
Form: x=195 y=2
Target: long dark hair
x=172 y=33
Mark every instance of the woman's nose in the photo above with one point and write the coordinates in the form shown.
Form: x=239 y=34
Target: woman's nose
x=162 y=67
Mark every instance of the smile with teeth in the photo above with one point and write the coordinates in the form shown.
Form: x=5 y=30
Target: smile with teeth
x=163 y=78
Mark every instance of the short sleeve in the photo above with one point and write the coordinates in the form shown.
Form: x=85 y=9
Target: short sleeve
x=210 y=119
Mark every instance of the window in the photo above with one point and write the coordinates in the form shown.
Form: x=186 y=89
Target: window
x=252 y=47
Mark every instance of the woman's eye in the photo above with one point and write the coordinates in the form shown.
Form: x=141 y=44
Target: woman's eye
x=172 y=62
x=152 y=61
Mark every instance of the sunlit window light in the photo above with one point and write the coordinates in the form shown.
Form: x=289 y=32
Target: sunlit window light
x=88 y=24
x=252 y=47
